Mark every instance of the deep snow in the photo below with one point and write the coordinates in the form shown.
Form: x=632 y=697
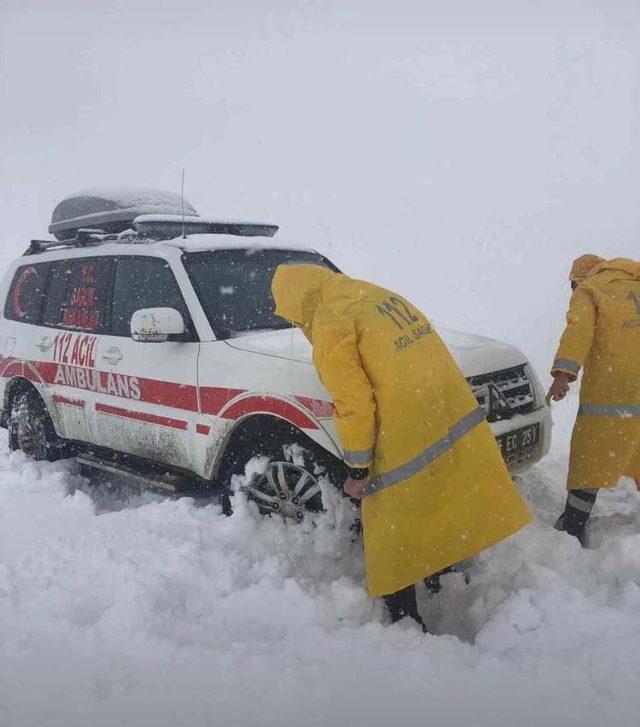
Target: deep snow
x=159 y=612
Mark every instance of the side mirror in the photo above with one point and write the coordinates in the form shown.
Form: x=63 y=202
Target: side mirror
x=156 y=325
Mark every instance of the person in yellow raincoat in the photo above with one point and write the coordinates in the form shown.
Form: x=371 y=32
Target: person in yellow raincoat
x=602 y=337
x=421 y=456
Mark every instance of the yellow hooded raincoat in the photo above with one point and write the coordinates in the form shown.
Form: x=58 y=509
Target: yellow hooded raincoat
x=439 y=491
x=603 y=336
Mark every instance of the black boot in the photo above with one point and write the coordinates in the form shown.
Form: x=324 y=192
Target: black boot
x=433 y=582
x=576 y=514
x=402 y=604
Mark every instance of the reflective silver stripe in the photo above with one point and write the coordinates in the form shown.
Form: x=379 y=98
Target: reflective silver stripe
x=363 y=457
x=611 y=410
x=425 y=458
x=577 y=504
x=566 y=364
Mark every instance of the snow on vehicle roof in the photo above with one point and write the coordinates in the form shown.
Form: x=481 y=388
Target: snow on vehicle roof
x=170 y=226
x=198 y=243
x=126 y=197
x=198 y=220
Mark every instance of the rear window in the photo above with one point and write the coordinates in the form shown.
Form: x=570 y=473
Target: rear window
x=26 y=294
x=78 y=294
x=234 y=286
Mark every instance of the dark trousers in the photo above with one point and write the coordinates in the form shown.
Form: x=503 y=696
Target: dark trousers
x=403 y=603
x=577 y=511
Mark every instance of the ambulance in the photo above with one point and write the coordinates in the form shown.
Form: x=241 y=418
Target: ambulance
x=141 y=339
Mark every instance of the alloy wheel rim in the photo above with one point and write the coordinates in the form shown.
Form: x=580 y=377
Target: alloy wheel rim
x=286 y=489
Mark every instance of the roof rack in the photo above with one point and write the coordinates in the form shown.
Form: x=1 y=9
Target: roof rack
x=154 y=228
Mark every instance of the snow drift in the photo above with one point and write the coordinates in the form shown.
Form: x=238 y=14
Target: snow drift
x=156 y=612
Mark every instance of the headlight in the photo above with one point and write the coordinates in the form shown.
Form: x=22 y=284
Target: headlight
x=536 y=386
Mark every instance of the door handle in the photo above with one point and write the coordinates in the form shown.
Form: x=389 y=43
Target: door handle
x=44 y=344
x=112 y=355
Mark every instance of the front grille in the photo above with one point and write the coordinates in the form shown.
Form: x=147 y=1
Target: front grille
x=514 y=384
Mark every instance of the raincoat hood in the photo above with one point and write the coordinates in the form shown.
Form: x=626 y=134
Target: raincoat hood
x=297 y=290
x=582 y=266
x=617 y=265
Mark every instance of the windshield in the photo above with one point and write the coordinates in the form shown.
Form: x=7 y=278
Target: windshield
x=234 y=286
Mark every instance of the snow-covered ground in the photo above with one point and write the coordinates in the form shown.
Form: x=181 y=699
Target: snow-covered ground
x=158 y=612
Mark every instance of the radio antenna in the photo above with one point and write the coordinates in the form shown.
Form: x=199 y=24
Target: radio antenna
x=184 y=223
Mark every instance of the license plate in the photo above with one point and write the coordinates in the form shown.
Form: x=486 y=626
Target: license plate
x=519 y=445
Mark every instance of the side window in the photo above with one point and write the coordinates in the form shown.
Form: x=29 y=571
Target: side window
x=78 y=294
x=24 y=302
x=144 y=282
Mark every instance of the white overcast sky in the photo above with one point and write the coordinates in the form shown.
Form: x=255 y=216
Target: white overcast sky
x=460 y=152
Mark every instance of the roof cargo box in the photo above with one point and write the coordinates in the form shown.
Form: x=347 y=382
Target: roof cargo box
x=112 y=210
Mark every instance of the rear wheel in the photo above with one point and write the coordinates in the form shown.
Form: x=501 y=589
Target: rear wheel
x=31 y=429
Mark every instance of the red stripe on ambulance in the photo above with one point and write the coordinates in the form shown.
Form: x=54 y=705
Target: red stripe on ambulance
x=151 y=391
x=69 y=402
x=213 y=399
x=321 y=409
x=269 y=405
x=142 y=416
x=14 y=368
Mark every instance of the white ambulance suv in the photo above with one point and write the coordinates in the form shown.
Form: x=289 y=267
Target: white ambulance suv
x=142 y=341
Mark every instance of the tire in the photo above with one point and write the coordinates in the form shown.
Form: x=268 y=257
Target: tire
x=31 y=429
x=289 y=484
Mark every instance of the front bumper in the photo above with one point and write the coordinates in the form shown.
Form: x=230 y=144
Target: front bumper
x=541 y=416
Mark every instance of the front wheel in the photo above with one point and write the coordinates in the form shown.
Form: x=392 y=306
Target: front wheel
x=287 y=482
x=31 y=429
x=287 y=489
